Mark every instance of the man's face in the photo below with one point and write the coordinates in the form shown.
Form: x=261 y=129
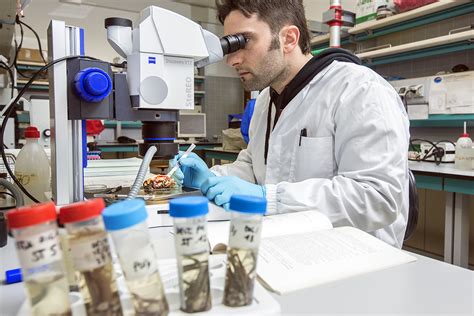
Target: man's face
x=258 y=64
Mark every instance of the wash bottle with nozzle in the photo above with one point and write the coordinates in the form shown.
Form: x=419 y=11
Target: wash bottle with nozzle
x=464 y=152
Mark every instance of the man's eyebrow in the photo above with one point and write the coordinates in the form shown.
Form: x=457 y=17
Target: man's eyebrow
x=248 y=34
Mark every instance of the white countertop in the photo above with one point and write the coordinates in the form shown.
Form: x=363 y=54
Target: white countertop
x=443 y=168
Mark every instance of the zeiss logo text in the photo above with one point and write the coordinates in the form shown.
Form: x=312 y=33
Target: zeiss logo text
x=152 y=60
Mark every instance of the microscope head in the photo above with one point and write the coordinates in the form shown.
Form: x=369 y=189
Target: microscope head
x=162 y=50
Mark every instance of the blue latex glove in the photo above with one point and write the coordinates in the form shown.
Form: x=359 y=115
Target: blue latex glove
x=220 y=189
x=194 y=170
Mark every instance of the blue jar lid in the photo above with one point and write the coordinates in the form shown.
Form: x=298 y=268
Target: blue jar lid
x=124 y=214
x=248 y=204
x=92 y=84
x=190 y=206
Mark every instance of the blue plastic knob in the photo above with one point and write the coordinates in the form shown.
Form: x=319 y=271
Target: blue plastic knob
x=92 y=84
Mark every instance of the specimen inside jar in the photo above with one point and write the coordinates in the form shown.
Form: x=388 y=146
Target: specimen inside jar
x=240 y=277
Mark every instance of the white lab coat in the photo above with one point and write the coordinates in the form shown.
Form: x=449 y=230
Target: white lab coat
x=352 y=166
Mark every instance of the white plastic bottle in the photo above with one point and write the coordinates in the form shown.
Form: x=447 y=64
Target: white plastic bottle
x=32 y=167
x=464 y=152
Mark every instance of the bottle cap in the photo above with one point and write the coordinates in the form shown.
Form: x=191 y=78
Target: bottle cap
x=190 y=206
x=464 y=135
x=31 y=215
x=81 y=211
x=13 y=276
x=32 y=132
x=124 y=214
x=248 y=204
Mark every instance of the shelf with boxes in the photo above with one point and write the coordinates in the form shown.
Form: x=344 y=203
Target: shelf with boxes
x=428 y=14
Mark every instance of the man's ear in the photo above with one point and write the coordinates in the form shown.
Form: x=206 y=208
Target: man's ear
x=290 y=35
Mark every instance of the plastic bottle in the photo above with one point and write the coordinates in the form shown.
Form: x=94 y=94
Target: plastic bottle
x=126 y=222
x=38 y=248
x=244 y=240
x=192 y=252
x=32 y=167
x=464 y=154
x=91 y=256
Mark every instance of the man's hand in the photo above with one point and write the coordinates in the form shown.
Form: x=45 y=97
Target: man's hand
x=220 y=189
x=194 y=170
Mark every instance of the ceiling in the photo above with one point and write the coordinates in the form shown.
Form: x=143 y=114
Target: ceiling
x=314 y=9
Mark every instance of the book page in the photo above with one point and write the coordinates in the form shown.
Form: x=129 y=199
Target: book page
x=274 y=225
x=313 y=258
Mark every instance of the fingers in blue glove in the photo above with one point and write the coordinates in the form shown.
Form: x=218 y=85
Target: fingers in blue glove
x=223 y=198
x=211 y=182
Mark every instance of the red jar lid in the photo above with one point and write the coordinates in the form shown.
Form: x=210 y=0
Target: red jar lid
x=32 y=132
x=31 y=215
x=81 y=211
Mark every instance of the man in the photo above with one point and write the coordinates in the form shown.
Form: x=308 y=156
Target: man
x=330 y=139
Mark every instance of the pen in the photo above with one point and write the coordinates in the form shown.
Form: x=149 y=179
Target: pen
x=303 y=133
x=186 y=154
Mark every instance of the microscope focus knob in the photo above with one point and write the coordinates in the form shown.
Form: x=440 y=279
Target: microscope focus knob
x=92 y=84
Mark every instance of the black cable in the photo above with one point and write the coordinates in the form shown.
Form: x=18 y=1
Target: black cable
x=15 y=61
x=37 y=38
x=434 y=151
x=10 y=112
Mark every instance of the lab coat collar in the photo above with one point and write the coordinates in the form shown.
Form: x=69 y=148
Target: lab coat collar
x=313 y=67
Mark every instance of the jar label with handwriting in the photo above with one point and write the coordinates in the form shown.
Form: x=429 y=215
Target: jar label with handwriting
x=244 y=234
x=90 y=253
x=191 y=238
x=39 y=249
x=140 y=263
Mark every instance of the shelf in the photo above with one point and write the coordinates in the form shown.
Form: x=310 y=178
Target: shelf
x=444 y=120
x=425 y=48
x=428 y=14
x=28 y=67
x=199 y=77
x=200 y=93
x=33 y=64
x=36 y=85
x=124 y=124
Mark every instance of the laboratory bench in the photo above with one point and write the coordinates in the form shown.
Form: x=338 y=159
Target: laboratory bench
x=458 y=186
x=122 y=149
x=214 y=156
x=425 y=286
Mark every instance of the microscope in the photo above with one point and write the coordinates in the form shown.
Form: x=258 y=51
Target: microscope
x=161 y=51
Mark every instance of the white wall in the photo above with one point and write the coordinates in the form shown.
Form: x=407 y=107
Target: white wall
x=40 y=12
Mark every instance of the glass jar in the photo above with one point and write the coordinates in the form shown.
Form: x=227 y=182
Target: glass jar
x=242 y=253
x=192 y=252
x=38 y=247
x=126 y=222
x=90 y=252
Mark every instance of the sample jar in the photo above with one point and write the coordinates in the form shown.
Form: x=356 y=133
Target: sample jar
x=192 y=252
x=91 y=257
x=242 y=253
x=126 y=222
x=38 y=247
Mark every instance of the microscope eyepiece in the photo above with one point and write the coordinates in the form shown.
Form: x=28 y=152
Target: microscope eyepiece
x=232 y=43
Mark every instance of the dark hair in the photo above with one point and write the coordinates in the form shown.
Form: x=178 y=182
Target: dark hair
x=276 y=13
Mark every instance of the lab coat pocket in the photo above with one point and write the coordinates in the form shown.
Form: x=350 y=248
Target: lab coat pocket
x=313 y=158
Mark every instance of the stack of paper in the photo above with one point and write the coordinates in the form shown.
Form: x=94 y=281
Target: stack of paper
x=112 y=167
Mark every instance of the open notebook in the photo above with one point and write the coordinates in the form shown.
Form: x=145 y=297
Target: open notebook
x=300 y=250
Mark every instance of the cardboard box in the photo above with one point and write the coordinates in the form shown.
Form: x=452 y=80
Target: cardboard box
x=32 y=55
x=367 y=9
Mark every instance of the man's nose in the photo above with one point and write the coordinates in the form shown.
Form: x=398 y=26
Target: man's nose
x=234 y=59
